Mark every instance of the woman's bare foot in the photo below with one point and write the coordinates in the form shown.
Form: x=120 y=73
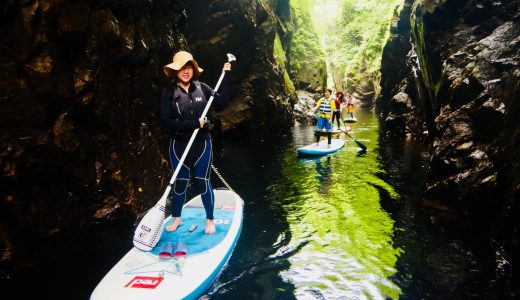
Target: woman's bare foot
x=174 y=224
x=210 y=227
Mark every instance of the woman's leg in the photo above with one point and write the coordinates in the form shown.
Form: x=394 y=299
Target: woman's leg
x=202 y=172
x=181 y=182
x=335 y=115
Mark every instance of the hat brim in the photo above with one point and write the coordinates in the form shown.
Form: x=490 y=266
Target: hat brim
x=171 y=69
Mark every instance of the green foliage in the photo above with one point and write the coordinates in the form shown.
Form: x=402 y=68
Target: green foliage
x=361 y=35
x=280 y=57
x=307 y=58
x=352 y=32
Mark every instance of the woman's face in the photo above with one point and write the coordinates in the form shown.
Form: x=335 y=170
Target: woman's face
x=327 y=94
x=185 y=74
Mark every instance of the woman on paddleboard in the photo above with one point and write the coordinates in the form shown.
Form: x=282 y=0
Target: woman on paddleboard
x=182 y=104
x=336 y=113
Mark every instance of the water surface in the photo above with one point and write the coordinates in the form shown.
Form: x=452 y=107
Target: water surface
x=322 y=231
x=343 y=226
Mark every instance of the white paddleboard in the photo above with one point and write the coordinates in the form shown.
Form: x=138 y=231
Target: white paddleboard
x=322 y=148
x=350 y=119
x=143 y=275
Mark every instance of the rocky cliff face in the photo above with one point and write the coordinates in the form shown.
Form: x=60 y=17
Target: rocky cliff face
x=80 y=86
x=80 y=141
x=459 y=92
x=258 y=34
x=307 y=61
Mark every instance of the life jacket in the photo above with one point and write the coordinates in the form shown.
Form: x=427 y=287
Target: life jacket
x=189 y=106
x=326 y=106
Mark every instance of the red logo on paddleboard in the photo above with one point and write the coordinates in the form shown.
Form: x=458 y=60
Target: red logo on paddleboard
x=144 y=282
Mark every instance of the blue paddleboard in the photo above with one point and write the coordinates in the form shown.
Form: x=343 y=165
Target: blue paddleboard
x=184 y=262
x=322 y=148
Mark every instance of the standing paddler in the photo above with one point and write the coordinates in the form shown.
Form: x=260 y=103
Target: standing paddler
x=182 y=103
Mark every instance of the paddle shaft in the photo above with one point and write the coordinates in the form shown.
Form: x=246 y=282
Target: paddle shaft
x=190 y=142
x=357 y=142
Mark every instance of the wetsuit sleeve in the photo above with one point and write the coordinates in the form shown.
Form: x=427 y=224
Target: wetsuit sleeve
x=222 y=95
x=167 y=119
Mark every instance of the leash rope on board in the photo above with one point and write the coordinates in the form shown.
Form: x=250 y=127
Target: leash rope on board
x=221 y=178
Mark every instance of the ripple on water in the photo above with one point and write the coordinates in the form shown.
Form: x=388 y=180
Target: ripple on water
x=340 y=244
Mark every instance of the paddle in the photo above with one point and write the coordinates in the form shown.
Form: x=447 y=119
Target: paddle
x=149 y=230
x=363 y=147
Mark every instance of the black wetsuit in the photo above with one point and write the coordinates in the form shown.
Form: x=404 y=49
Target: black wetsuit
x=180 y=112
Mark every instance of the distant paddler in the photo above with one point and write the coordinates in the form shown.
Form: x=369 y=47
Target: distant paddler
x=325 y=106
x=350 y=110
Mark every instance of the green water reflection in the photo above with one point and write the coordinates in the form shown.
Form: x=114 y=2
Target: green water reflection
x=340 y=235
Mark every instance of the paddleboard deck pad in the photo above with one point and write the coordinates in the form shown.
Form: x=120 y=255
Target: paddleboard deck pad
x=322 y=148
x=184 y=262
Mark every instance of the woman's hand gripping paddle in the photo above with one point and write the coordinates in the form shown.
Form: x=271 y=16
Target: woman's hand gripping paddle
x=149 y=230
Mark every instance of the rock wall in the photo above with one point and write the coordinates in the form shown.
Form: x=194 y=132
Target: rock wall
x=81 y=143
x=307 y=61
x=258 y=34
x=459 y=93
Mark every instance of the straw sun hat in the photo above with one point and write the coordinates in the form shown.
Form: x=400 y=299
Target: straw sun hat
x=179 y=60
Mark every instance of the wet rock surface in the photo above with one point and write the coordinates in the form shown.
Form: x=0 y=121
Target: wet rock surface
x=81 y=145
x=303 y=108
x=459 y=94
x=80 y=140
x=258 y=34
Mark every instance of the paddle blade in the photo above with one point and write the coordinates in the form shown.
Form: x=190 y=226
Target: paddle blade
x=149 y=230
x=363 y=147
x=231 y=57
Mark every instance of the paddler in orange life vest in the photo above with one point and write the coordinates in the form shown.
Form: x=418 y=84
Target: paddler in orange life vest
x=325 y=106
x=350 y=106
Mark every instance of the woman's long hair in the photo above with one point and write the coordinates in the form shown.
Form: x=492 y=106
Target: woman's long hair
x=340 y=96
